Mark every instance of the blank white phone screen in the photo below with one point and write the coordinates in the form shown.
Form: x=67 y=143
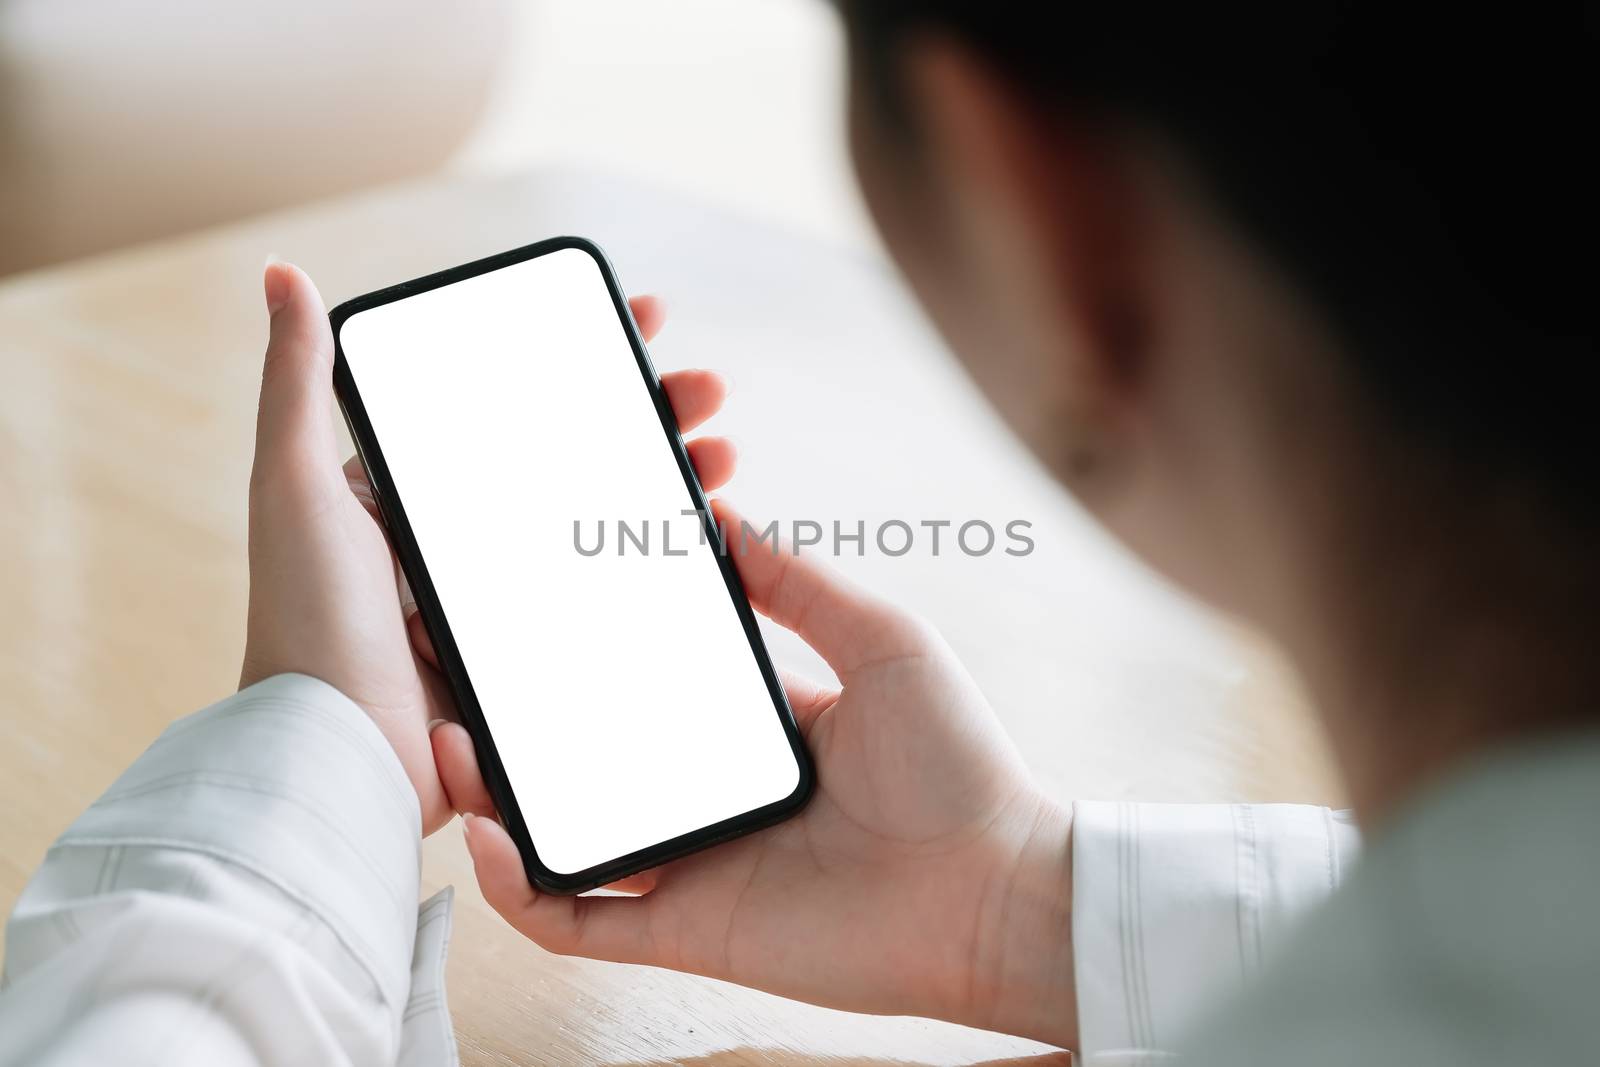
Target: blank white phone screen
x=620 y=688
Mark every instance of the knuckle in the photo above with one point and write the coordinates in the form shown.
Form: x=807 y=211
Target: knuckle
x=908 y=631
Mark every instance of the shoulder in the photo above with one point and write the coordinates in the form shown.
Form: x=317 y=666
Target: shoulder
x=1467 y=935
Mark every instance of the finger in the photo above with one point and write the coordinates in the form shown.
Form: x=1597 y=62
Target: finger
x=457 y=763
x=295 y=439
x=807 y=699
x=355 y=476
x=649 y=314
x=601 y=928
x=848 y=627
x=636 y=884
x=696 y=395
x=715 y=459
x=421 y=640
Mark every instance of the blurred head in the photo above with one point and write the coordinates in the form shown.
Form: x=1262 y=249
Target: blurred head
x=1285 y=300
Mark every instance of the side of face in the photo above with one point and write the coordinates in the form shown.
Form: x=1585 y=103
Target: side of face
x=1116 y=326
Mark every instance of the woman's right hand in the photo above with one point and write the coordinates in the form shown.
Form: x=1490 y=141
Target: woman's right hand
x=927 y=876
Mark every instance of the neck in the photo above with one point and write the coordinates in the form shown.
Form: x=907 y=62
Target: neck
x=1445 y=633
x=1393 y=741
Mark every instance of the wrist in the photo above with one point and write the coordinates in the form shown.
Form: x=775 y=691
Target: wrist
x=1023 y=977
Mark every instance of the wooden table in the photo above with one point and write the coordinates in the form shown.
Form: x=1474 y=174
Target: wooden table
x=127 y=390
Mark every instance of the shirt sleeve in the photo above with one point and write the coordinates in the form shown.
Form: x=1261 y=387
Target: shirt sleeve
x=1177 y=905
x=245 y=893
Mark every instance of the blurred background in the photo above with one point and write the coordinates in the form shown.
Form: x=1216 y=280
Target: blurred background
x=126 y=122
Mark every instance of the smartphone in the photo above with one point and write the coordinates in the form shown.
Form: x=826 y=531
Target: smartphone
x=623 y=706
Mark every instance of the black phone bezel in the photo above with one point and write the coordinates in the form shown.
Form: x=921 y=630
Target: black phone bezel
x=433 y=615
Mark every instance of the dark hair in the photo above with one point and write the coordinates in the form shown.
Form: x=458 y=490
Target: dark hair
x=1428 y=179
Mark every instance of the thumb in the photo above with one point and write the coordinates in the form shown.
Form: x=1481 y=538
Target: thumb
x=295 y=439
x=848 y=627
x=602 y=928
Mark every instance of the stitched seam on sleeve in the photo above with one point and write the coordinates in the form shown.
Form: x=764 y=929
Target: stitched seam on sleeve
x=359 y=951
x=1255 y=881
x=1138 y=938
x=439 y=909
x=1333 y=851
x=259 y=787
x=105 y=863
x=1249 y=889
x=1238 y=891
x=392 y=775
x=1122 y=922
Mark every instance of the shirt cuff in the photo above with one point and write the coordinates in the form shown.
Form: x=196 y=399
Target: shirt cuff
x=1177 y=905
x=290 y=780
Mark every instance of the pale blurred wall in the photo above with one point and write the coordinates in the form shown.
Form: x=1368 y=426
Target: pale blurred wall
x=737 y=101
x=124 y=122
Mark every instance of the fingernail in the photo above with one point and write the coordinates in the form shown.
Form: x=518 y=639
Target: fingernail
x=729 y=384
x=434 y=724
x=276 y=285
x=466 y=824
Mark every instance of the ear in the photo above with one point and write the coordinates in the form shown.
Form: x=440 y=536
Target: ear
x=1051 y=207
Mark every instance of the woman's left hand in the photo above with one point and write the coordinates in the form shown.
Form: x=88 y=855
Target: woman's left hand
x=325 y=591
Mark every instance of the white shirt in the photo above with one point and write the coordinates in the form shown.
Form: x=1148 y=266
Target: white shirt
x=1467 y=934
x=1177 y=906
x=246 y=893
